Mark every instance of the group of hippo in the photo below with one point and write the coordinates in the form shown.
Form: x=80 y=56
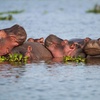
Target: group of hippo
x=13 y=40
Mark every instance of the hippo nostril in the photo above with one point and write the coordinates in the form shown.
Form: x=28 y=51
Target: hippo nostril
x=72 y=46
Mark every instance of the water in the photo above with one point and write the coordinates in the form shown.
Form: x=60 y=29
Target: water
x=52 y=81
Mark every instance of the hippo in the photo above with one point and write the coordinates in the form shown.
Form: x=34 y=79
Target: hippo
x=81 y=42
x=92 y=47
x=18 y=32
x=60 y=48
x=11 y=37
x=33 y=50
x=12 y=40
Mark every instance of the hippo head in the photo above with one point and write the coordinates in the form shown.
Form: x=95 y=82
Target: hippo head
x=92 y=47
x=18 y=32
x=60 y=48
x=11 y=37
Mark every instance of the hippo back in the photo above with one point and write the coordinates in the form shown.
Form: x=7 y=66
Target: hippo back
x=38 y=50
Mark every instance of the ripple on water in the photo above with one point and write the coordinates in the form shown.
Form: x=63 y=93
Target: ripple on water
x=55 y=81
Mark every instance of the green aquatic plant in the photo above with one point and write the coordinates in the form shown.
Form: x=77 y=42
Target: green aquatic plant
x=96 y=9
x=12 y=12
x=8 y=17
x=2 y=58
x=45 y=12
x=9 y=14
x=14 y=58
x=78 y=59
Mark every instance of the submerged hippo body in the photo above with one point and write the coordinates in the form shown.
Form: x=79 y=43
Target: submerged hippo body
x=38 y=50
x=92 y=47
x=35 y=51
x=91 y=60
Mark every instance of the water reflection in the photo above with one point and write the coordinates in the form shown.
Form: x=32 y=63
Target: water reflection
x=52 y=79
x=89 y=61
x=93 y=61
x=18 y=70
x=8 y=70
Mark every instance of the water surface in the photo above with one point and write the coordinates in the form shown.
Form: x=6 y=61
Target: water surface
x=52 y=81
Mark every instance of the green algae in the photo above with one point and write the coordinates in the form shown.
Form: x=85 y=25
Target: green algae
x=14 y=58
x=8 y=15
x=12 y=12
x=95 y=10
x=78 y=59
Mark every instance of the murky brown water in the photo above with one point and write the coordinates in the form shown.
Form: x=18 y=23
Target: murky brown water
x=42 y=81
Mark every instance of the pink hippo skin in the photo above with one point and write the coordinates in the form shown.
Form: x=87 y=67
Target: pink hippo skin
x=10 y=38
x=60 y=48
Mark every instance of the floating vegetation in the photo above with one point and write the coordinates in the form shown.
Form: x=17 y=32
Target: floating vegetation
x=96 y=9
x=9 y=15
x=45 y=12
x=78 y=59
x=12 y=12
x=14 y=58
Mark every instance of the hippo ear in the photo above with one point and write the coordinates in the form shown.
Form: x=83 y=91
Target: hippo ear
x=7 y=50
x=87 y=39
x=29 y=49
x=42 y=40
x=30 y=39
x=64 y=42
x=13 y=40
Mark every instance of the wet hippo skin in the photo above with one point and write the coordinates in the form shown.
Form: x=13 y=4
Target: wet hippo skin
x=92 y=47
x=34 y=51
x=11 y=37
x=61 y=48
